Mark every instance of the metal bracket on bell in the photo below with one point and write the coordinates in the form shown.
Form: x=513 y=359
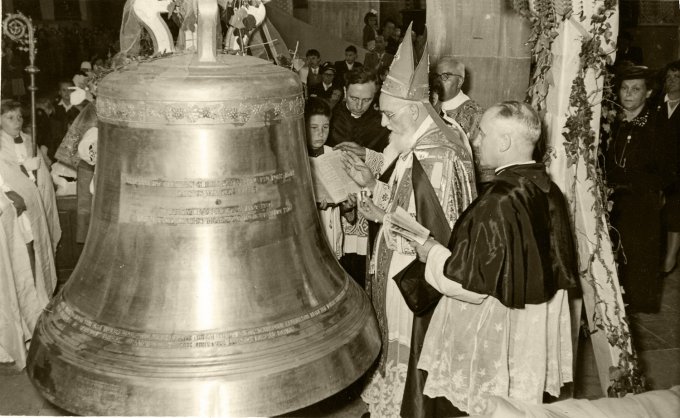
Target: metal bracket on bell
x=149 y=15
x=207 y=30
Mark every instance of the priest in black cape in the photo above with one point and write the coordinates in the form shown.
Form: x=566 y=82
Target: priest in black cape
x=503 y=327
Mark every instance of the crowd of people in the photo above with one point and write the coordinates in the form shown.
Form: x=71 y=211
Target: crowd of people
x=31 y=178
x=488 y=291
x=411 y=154
x=326 y=79
x=478 y=309
x=641 y=164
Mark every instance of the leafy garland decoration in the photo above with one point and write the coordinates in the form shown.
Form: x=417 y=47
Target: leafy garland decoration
x=581 y=146
x=544 y=16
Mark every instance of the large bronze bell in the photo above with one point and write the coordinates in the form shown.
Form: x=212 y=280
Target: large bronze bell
x=206 y=286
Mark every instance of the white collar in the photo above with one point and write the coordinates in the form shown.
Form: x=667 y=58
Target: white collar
x=20 y=150
x=326 y=86
x=64 y=105
x=671 y=105
x=10 y=138
x=455 y=102
x=405 y=159
x=668 y=99
x=352 y=114
x=503 y=167
x=424 y=126
x=350 y=66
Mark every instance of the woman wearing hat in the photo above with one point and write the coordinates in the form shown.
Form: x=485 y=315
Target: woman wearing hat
x=638 y=167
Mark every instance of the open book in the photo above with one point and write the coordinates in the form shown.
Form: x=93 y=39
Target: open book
x=403 y=224
x=331 y=181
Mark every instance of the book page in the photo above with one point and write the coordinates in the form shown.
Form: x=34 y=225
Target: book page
x=320 y=192
x=331 y=181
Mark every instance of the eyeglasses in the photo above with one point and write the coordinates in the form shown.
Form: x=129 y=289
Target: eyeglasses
x=359 y=101
x=391 y=115
x=446 y=76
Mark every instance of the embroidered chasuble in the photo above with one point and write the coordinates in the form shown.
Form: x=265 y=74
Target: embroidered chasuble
x=465 y=112
x=448 y=169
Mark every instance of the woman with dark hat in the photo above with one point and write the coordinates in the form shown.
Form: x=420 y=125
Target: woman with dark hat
x=638 y=167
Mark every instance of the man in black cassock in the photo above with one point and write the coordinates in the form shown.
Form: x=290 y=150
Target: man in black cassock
x=504 y=326
x=356 y=126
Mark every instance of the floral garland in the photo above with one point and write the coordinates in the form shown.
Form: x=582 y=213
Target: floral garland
x=545 y=17
x=580 y=144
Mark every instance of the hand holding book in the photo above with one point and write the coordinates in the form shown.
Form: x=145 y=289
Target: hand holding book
x=332 y=184
x=403 y=224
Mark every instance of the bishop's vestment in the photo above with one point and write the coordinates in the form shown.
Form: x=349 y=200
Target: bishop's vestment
x=441 y=155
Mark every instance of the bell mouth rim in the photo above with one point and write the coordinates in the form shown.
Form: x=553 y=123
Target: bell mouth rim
x=350 y=347
x=322 y=326
x=191 y=387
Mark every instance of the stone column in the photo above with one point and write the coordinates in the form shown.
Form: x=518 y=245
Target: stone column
x=342 y=18
x=489 y=39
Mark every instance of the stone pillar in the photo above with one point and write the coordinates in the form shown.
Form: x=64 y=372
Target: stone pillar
x=489 y=39
x=342 y=18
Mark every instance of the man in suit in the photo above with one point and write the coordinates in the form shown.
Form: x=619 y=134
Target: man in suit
x=324 y=90
x=64 y=111
x=350 y=62
x=310 y=74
